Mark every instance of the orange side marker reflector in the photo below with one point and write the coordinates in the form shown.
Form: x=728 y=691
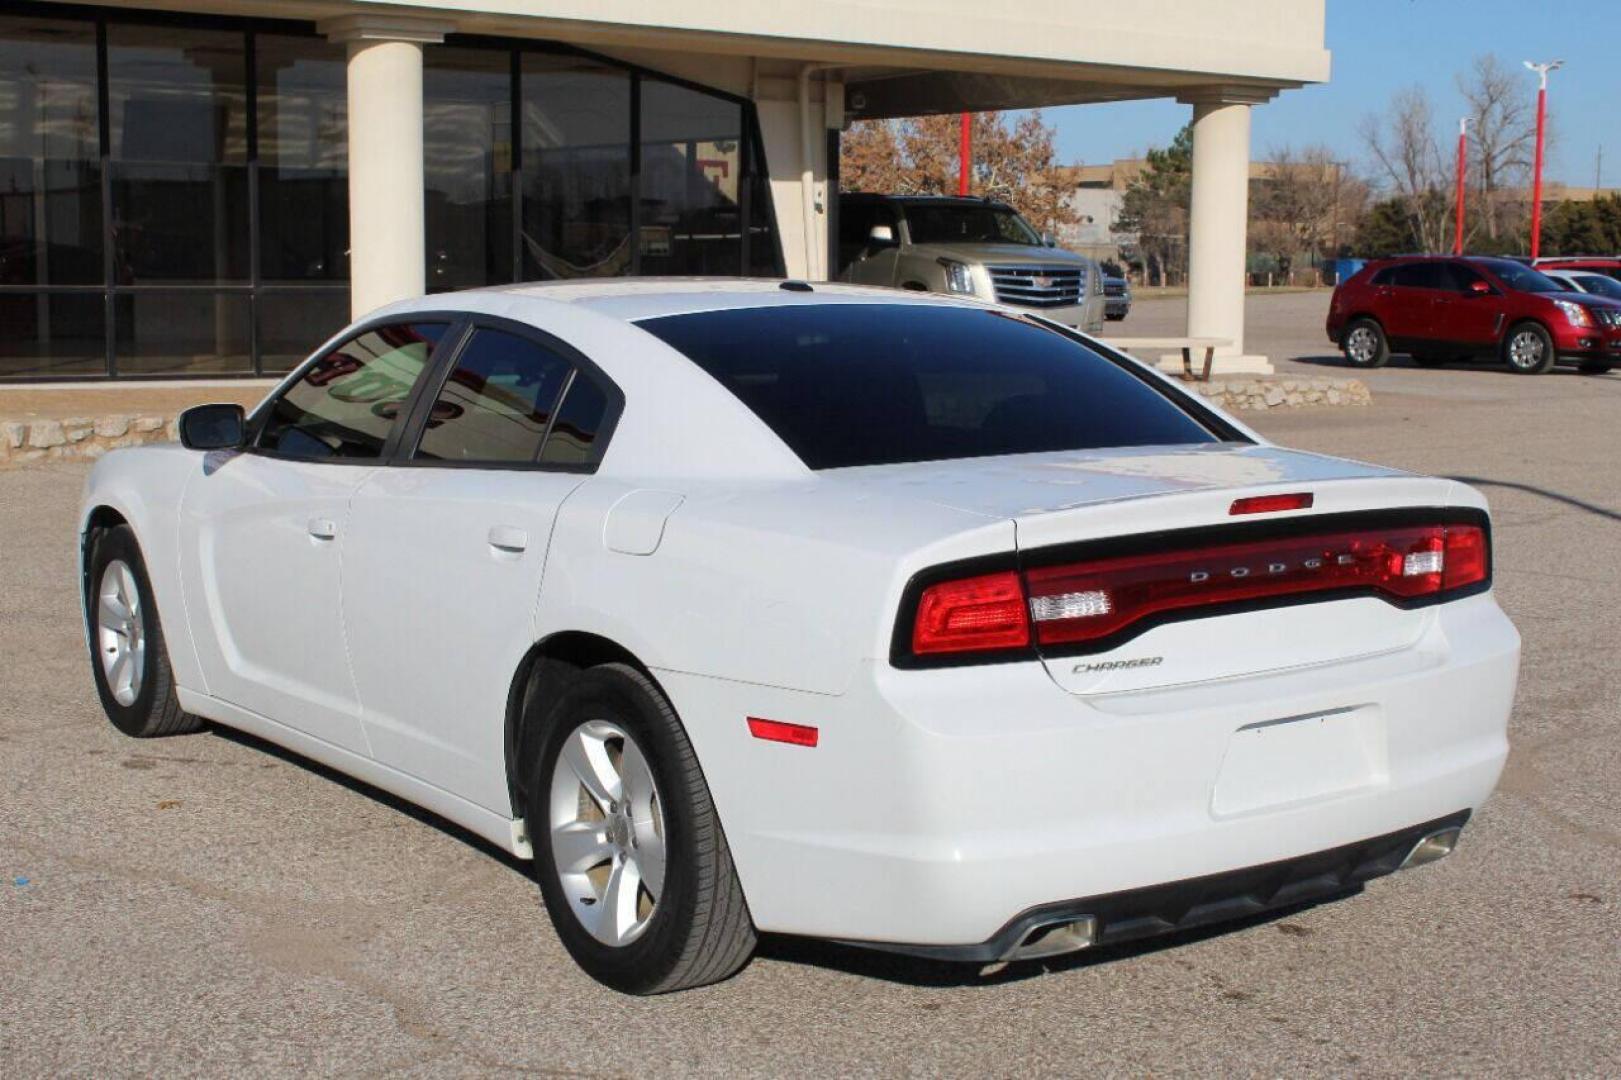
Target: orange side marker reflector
x=777 y=731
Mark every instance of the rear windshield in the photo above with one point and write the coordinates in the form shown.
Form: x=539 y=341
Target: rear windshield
x=876 y=384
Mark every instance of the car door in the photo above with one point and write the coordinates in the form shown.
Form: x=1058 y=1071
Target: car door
x=1464 y=314
x=262 y=531
x=446 y=548
x=1407 y=305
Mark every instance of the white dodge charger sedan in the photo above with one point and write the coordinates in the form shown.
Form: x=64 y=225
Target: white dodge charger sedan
x=745 y=606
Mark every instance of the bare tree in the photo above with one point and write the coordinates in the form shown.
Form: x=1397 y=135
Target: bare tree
x=1402 y=145
x=1502 y=103
x=1298 y=204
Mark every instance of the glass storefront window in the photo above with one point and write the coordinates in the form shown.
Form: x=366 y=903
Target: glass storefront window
x=182 y=333
x=53 y=334
x=226 y=249
x=467 y=166
x=179 y=153
x=576 y=168
x=303 y=134
x=691 y=217
x=50 y=172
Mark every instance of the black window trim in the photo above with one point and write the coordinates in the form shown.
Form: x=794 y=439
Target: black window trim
x=455 y=324
x=410 y=433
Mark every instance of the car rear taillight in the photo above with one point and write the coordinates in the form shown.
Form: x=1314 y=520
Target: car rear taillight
x=1095 y=600
x=972 y=615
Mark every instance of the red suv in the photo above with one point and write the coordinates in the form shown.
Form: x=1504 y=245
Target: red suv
x=1439 y=308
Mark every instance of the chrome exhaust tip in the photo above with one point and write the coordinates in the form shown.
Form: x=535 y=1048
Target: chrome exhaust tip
x=1055 y=937
x=1437 y=845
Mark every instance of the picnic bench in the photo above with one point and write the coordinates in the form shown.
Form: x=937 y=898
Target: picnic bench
x=1185 y=344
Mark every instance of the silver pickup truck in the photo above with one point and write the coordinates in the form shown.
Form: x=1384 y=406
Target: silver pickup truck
x=974 y=247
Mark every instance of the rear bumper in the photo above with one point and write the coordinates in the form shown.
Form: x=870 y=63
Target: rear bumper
x=942 y=806
x=1184 y=905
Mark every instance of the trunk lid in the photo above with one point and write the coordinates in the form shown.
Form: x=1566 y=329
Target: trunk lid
x=1062 y=499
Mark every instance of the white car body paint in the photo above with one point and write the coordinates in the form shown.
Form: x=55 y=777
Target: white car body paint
x=939 y=803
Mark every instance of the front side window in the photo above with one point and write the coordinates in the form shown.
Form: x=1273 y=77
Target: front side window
x=346 y=403
x=950 y=223
x=876 y=384
x=1520 y=277
x=496 y=404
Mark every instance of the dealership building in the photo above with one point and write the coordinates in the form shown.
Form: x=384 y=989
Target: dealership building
x=208 y=188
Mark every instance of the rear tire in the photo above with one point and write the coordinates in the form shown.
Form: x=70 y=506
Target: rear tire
x=1364 y=344
x=617 y=795
x=128 y=659
x=1528 y=349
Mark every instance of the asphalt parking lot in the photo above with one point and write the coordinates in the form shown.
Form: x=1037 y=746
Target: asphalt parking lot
x=208 y=904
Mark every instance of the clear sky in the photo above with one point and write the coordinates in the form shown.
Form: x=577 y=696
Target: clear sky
x=1380 y=46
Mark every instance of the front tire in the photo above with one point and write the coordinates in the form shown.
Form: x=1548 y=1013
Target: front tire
x=632 y=862
x=1528 y=350
x=1595 y=367
x=1364 y=344
x=128 y=659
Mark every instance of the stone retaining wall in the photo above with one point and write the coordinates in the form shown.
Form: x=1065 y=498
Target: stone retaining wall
x=1238 y=392
x=26 y=441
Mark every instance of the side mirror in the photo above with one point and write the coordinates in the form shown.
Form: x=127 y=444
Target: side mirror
x=881 y=236
x=213 y=427
x=1049 y=239
x=1479 y=288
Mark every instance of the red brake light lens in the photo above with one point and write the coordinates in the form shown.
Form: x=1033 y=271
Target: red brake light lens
x=973 y=614
x=1090 y=601
x=1267 y=504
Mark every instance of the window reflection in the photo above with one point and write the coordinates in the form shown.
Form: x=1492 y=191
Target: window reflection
x=467 y=166
x=50 y=175
x=576 y=168
x=179 y=153
x=303 y=103
x=691 y=177
x=182 y=333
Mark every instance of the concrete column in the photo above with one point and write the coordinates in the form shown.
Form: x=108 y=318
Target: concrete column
x=386 y=229
x=1219 y=221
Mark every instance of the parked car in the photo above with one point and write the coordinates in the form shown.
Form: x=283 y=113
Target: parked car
x=1608 y=265
x=1116 y=298
x=1438 y=308
x=901 y=620
x=966 y=247
x=1586 y=281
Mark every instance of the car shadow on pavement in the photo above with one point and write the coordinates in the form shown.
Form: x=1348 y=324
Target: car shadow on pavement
x=360 y=787
x=1399 y=362
x=917 y=971
x=1532 y=489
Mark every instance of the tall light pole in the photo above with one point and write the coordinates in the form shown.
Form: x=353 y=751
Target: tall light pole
x=1536 y=168
x=1463 y=166
x=965 y=153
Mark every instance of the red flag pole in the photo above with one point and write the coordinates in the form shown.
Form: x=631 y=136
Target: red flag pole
x=1536 y=169
x=965 y=154
x=1463 y=163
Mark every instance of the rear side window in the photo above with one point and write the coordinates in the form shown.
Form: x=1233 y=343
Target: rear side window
x=576 y=434
x=345 y=404
x=496 y=403
x=876 y=384
x=1419 y=276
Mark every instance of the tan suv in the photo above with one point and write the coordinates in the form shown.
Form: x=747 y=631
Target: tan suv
x=972 y=247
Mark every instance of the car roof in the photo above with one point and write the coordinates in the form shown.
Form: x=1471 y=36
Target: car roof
x=634 y=299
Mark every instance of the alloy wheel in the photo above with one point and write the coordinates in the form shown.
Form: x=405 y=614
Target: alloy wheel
x=1525 y=349
x=1362 y=345
x=121 y=632
x=607 y=832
